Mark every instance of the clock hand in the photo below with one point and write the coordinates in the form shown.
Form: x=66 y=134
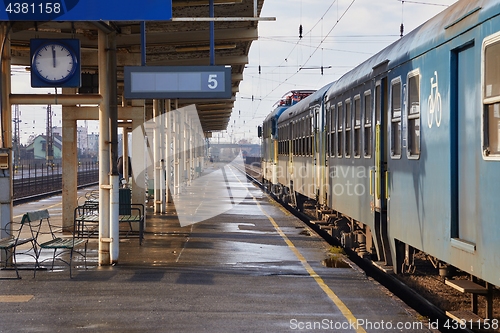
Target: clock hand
x=54 y=56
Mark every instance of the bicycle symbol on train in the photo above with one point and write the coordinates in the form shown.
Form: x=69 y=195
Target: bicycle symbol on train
x=434 y=102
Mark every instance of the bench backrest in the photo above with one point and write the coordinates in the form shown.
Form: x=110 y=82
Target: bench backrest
x=35 y=216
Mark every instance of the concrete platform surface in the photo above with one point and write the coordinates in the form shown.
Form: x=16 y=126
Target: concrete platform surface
x=254 y=268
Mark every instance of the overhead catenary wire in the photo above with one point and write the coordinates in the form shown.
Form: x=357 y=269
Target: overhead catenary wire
x=310 y=56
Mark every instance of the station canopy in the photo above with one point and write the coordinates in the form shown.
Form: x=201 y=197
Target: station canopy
x=182 y=41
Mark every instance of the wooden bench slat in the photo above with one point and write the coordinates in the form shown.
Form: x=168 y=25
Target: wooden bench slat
x=7 y=243
x=66 y=243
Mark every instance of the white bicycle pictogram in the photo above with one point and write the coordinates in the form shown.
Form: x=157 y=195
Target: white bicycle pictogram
x=434 y=103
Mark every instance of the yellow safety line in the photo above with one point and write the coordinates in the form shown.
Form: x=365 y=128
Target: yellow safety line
x=335 y=299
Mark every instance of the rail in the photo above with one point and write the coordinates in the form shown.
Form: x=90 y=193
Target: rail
x=45 y=178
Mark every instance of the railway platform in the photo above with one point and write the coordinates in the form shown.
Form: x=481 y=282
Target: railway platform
x=253 y=268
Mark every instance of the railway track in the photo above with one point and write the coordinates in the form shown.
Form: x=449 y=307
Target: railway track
x=417 y=302
x=29 y=189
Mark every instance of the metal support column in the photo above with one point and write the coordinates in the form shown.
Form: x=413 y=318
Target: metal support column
x=183 y=147
x=6 y=193
x=138 y=153
x=177 y=152
x=104 y=152
x=125 y=155
x=114 y=181
x=158 y=152
x=168 y=150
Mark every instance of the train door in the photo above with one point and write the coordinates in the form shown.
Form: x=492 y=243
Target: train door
x=379 y=172
x=317 y=143
x=464 y=151
x=292 y=147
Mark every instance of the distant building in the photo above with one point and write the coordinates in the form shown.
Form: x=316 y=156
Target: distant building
x=38 y=148
x=87 y=144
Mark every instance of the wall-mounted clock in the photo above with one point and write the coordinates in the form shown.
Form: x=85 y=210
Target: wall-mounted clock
x=55 y=63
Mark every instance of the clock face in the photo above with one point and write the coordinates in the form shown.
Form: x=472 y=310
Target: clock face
x=54 y=62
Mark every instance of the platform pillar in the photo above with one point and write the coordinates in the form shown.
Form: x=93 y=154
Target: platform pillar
x=104 y=153
x=6 y=193
x=125 y=155
x=158 y=156
x=114 y=217
x=138 y=154
x=176 y=160
x=168 y=151
x=69 y=166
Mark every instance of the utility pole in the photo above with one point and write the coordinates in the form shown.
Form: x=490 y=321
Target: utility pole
x=16 y=142
x=49 y=139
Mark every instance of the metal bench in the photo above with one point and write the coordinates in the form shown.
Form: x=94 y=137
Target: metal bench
x=9 y=244
x=42 y=229
x=86 y=219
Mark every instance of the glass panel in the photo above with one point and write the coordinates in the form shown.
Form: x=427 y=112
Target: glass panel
x=357 y=127
x=368 y=108
x=340 y=122
x=492 y=70
x=414 y=94
x=396 y=138
x=414 y=136
x=347 y=136
x=378 y=105
x=368 y=141
x=396 y=100
x=494 y=129
x=348 y=115
x=414 y=115
x=357 y=112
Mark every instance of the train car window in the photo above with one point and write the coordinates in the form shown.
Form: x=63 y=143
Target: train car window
x=340 y=122
x=348 y=120
x=413 y=113
x=368 y=124
x=332 y=130
x=357 y=126
x=327 y=131
x=309 y=137
x=378 y=104
x=299 y=137
x=491 y=98
x=395 y=116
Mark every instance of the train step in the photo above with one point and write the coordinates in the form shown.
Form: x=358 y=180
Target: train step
x=469 y=317
x=466 y=286
x=320 y=222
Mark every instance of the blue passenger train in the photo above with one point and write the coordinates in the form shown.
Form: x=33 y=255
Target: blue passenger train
x=403 y=152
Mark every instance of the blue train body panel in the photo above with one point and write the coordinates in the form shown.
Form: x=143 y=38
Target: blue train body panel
x=407 y=144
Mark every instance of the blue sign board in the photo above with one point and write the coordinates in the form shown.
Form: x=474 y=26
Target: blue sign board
x=86 y=10
x=177 y=82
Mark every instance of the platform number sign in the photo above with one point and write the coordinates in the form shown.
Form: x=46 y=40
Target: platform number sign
x=193 y=82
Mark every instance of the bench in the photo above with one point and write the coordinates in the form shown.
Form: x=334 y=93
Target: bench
x=46 y=238
x=86 y=219
x=9 y=244
x=132 y=213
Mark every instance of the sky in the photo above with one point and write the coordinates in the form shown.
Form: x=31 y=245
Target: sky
x=336 y=35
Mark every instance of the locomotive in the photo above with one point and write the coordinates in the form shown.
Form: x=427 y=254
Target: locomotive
x=402 y=153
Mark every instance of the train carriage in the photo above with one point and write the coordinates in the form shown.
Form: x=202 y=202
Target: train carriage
x=405 y=148
x=270 y=136
x=301 y=159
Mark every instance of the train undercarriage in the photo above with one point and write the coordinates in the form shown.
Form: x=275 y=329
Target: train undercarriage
x=374 y=246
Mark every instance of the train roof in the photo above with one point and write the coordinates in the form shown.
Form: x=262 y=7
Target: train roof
x=287 y=100
x=429 y=35
x=305 y=104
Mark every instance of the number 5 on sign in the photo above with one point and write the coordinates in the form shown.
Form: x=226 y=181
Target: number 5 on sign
x=212 y=81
